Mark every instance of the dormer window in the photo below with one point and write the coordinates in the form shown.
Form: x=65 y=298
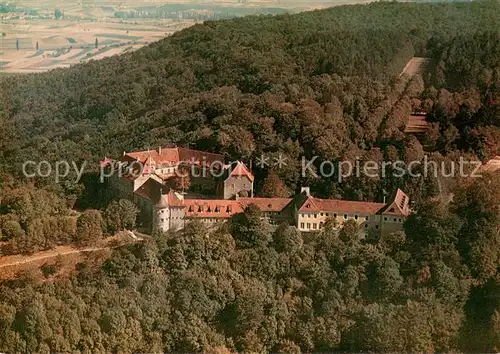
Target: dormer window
x=191 y=209
x=209 y=209
x=217 y=209
x=200 y=209
x=229 y=209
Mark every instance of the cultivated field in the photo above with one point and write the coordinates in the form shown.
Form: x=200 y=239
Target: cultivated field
x=39 y=45
x=40 y=42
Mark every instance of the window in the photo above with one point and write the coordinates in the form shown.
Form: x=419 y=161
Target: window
x=385 y=218
x=376 y=226
x=394 y=219
x=321 y=214
x=308 y=225
x=308 y=215
x=400 y=220
x=301 y=225
x=335 y=215
x=315 y=215
x=366 y=226
x=232 y=185
x=315 y=226
x=244 y=185
x=321 y=224
x=367 y=217
x=327 y=214
x=355 y=217
x=345 y=216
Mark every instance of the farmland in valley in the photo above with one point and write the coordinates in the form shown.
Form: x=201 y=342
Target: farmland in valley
x=41 y=35
x=40 y=45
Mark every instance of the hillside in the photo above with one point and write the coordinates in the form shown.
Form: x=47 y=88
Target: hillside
x=326 y=83
x=165 y=92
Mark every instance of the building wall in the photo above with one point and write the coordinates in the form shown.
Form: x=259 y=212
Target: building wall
x=139 y=181
x=121 y=187
x=146 y=217
x=169 y=218
x=278 y=217
x=391 y=223
x=315 y=221
x=177 y=215
x=235 y=184
x=207 y=220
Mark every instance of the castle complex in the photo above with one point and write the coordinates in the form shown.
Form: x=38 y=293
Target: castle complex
x=216 y=191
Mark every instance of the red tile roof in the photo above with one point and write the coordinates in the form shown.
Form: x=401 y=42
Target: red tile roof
x=173 y=156
x=212 y=208
x=399 y=205
x=312 y=204
x=171 y=199
x=241 y=170
x=266 y=204
x=155 y=192
x=416 y=124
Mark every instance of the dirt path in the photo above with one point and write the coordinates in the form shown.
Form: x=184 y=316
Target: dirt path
x=18 y=259
x=414 y=66
x=15 y=260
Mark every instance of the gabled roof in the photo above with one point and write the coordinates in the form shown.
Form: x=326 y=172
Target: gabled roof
x=154 y=191
x=266 y=204
x=238 y=168
x=148 y=163
x=399 y=205
x=416 y=123
x=312 y=204
x=151 y=190
x=212 y=208
x=174 y=156
x=171 y=199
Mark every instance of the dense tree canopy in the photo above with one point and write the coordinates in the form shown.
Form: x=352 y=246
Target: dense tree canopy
x=244 y=287
x=323 y=83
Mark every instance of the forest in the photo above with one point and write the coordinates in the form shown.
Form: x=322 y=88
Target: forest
x=323 y=83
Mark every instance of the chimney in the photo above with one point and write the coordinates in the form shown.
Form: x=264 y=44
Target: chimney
x=124 y=153
x=159 y=150
x=306 y=191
